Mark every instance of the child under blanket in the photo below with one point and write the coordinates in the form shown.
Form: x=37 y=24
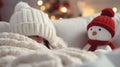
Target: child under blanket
x=22 y=48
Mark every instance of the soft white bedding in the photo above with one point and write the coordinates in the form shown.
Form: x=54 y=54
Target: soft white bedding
x=14 y=45
x=19 y=51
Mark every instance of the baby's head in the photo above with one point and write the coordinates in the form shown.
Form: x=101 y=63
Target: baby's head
x=40 y=40
x=37 y=38
x=34 y=24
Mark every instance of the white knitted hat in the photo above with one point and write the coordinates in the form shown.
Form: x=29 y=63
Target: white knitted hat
x=4 y=26
x=30 y=21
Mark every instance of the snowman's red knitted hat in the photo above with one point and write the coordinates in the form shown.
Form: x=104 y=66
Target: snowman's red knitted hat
x=104 y=20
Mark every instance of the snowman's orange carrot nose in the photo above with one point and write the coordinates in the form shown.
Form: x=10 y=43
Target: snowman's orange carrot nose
x=94 y=33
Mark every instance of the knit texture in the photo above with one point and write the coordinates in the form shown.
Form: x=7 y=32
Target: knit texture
x=20 y=51
x=95 y=43
x=67 y=57
x=30 y=21
x=4 y=26
x=100 y=32
x=105 y=21
x=15 y=45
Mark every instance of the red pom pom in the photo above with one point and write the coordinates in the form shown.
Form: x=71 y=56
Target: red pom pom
x=108 y=12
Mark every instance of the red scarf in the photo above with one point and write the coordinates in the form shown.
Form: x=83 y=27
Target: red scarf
x=95 y=43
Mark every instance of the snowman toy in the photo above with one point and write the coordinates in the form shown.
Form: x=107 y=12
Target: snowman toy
x=100 y=31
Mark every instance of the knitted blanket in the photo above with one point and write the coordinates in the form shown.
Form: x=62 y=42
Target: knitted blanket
x=15 y=45
x=20 y=51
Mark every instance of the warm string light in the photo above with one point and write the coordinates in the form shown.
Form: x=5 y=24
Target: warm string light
x=58 y=7
x=60 y=18
x=52 y=17
x=115 y=9
x=40 y=2
x=42 y=8
x=63 y=9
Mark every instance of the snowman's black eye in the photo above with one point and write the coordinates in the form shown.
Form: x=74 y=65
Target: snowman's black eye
x=91 y=29
x=99 y=29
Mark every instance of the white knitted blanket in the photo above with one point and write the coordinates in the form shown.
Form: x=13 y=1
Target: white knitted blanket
x=20 y=51
x=15 y=45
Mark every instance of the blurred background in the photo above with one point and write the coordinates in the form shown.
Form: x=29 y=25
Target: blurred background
x=60 y=9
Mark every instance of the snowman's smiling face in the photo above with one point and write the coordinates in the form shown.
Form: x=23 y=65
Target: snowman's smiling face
x=99 y=33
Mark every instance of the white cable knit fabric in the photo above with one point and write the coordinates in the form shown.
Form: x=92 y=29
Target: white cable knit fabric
x=4 y=26
x=54 y=58
x=10 y=39
x=20 y=51
x=43 y=59
x=30 y=21
x=14 y=45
